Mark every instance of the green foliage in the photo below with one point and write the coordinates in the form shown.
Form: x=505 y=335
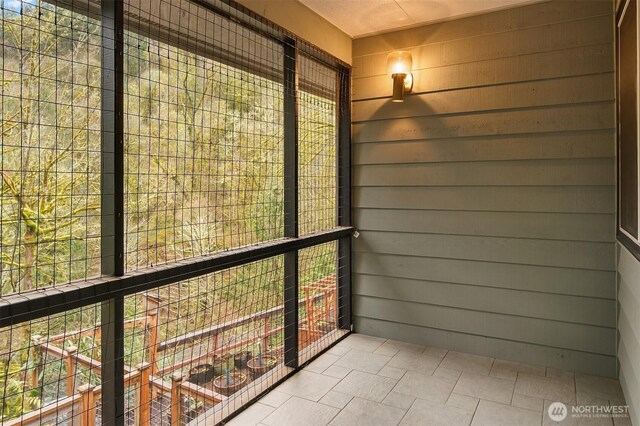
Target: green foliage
x=49 y=127
x=15 y=399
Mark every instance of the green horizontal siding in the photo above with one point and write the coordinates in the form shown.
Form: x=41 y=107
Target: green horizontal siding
x=629 y=329
x=486 y=201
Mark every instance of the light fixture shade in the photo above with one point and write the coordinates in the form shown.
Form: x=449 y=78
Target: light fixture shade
x=399 y=63
x=399 y=66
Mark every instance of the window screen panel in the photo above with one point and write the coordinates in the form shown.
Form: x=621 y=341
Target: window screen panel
x=203 y=117
x=49 y=368
x=318 y=293
x=219 y=334
x=628 y=121
x=203 y=135
x=317 y=154
x=50 y=145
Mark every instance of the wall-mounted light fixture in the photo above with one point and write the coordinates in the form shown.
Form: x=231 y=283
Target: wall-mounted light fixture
x=399 y=65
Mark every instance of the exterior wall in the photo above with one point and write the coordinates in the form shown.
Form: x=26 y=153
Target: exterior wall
x=629 y=326
x=629 y=329
x=485 y=202
x=302 y=21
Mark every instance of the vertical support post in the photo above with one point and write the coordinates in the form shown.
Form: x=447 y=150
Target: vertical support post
x=176 y=399
x=112 y=208
x=112 y=370
x=87 y=414
x=112 y=166
x=36 y=360
x=265 y=338
x=152 y=303
x=215 y=345
x=153 y=340
x=290 y=202
x=344 y=197
x=70 y=361
x=144 y=395
x=95 y=353
x=308 y=309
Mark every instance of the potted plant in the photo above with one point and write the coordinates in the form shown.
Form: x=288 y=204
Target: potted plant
x=220 y=363
x=261 y=363
x=229 y=383
x=241 y=358
x=201 y=374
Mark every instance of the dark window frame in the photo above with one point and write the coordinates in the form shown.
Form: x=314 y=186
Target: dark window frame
x=114 y=284
x=627 y=240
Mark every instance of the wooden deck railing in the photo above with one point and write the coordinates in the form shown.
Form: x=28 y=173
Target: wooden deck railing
x=81 y=400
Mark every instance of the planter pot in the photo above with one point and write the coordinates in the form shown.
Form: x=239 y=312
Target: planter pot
x=268 y=362
x=325 y=326
x=237 y=381
x=220 y=365
x=240 y=359
x=201 y=374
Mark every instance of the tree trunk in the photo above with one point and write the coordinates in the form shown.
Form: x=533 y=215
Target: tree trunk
x=29 y=261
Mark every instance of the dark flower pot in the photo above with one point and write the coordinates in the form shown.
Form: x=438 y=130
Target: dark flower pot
x=241 y=358
x=201 y=374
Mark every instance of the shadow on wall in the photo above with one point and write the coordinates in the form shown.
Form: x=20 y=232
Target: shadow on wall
x=413 y=120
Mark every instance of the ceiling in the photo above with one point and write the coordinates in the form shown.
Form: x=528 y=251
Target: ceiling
x=358 y=18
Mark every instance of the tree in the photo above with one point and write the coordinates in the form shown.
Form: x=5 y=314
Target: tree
x=50 y=119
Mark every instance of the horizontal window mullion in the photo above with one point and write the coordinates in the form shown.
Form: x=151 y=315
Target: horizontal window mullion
x=28 y=306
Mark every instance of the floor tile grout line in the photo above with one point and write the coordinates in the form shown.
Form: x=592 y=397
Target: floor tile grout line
x=493 y=362
x=473 y=416
x=408 y=409
x=513 y=393
x=440 y=363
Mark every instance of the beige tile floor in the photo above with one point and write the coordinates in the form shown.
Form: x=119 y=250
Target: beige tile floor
x=371 y=381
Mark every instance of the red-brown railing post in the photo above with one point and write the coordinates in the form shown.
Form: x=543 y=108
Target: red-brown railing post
x=71 y=369
x=153 y=340
x=176 y=399
x=35 y=354
x=152 y=303
x=144 y=395
x=87 y=415
x=97 y=337
x=215 y=344
x=265 y=339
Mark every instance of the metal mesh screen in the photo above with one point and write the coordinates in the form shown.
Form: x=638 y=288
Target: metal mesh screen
x=317 y=153
x=47 y=369
x=203 y=173
x=320 y=314
x=204 y=340
x=50 y=134
x=203 y=138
